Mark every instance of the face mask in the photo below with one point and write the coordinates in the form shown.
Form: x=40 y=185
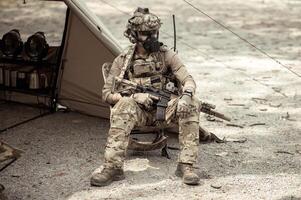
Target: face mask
x=151 y=44
x=149 y=41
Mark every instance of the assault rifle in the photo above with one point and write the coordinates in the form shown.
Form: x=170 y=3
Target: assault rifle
x=161 y=98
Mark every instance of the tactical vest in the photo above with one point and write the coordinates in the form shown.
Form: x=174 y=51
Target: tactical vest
x=151 y=71
x=148 y=71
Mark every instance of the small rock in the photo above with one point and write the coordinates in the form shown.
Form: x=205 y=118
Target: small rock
x=228 y=99
x=222 y=154
x=216 y=186
x=276 y=89
x=275 y=105
x=251 y=115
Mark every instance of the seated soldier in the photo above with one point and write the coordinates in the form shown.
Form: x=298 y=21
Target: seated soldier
x=149 y=63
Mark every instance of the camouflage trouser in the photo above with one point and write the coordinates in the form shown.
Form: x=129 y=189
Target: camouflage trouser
x=127 y=114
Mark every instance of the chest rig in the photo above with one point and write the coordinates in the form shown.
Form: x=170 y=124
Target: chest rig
x=148 y=71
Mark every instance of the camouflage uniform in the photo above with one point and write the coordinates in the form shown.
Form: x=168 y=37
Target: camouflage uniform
x=127 y=114
x=160 y=68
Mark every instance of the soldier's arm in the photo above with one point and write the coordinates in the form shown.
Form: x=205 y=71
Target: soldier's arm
x=180 y=71
x=107 y=94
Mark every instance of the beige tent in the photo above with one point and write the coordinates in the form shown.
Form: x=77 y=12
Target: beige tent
x=86 y=45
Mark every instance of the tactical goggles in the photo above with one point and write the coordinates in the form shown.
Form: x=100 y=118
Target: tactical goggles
x=149 y=33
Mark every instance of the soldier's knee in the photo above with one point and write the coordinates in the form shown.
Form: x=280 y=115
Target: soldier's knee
x=124 y=114
x=125 y=105
x=127 y=100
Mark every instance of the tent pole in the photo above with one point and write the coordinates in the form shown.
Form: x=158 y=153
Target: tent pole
x=60 y=63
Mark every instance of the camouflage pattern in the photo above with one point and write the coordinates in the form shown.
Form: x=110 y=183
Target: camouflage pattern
x=126 y=114
x=142 y=20
x=156 y=69
x=167 y=64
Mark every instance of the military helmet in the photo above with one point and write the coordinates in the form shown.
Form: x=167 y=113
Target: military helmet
x=142 y=20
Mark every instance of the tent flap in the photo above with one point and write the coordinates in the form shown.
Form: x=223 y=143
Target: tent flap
x=81 y=78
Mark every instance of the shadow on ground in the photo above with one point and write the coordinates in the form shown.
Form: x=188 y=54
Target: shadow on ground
x=63 y=149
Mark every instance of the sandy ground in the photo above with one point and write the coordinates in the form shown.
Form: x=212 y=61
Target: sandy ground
x=63 y=149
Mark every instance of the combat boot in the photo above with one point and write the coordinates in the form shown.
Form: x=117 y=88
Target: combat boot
x=186 y=171
x=107 y=176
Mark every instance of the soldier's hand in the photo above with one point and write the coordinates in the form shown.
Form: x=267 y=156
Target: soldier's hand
x=183 y=109
x=143 y=98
